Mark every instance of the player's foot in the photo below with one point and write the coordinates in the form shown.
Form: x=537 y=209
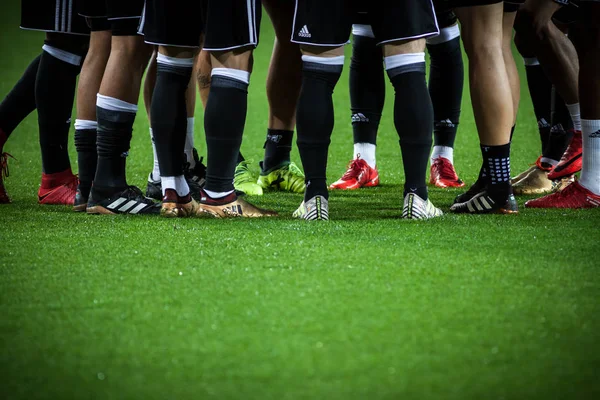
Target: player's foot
x=129 y=201
x=58 y=188
x=4 y=198
x=359 y=174
x=475 y=188
x=154 y=188
x=195 y=176
x=442 y=174
x=175 y=206
x=537 y=182
x=571 y=160
x=230 y=206
x=80 y=202
x=245 y=181
x=573 y=196
x=416 y=208
x=287 y=177
x=315 y=209
x=483 y=203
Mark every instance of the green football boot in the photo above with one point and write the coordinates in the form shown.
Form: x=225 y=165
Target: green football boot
x=286 y=177
x=245 y=181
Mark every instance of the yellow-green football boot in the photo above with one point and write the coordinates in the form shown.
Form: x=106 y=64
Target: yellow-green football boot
x=285 y=177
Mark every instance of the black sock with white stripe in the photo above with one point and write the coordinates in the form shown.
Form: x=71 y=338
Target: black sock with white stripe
x=278 y=147
x=497 y=163
x=224 y=120
x=115 y=127
x=54 y=94
x=315 y=119
x=87 y=155
x=169 y=114
x=413 y=118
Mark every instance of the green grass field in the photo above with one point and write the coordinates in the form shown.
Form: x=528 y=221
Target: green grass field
x=365 y=306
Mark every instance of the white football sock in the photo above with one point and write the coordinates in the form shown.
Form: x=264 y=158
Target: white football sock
x=189 y=143
x=575 y=115
x=366 y=151
x=590 y=170
x=217 y=195
x=443 y=151
x=155 y=174
x=550 y=161
x=177 y=183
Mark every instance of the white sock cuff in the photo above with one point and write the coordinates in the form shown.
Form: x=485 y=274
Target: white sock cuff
x=590 y=125
x=400 y=60
x=550 y=161
x=237 y=74
x=217 y=195
x=174 y=61
x=446 y=35
x=190 y=123
x=62 y=55
x=363 y=30
x=530 y=61
x=339 y=60
x=177 y=183
x=110 y=103
x=84 y=124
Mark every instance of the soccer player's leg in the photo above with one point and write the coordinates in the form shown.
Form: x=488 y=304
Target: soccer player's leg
x=283 y=88
x=116 y=108
x=367 y=96
x=404 y=59
x=86 y=126
x=176 y=30
x=584 y=193
x=230 y=42
x=446 y=79
x=55 y=86
x=17 y=105
x=493 y=104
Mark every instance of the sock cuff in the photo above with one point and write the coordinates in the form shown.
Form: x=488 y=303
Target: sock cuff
x=337 y=61
x=231 y=73
x=590 y=124
x=62 y=55
x=446 y=35
x=190 y=123
x=402 y=60
x=83 y=124
x=174 y=61
x=531 y=61
x=112 y=104
x=363 y=30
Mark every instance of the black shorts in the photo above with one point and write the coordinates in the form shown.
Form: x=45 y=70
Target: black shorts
x=173 y=23
x=53 y=16
x=472 y=3
x=231 y=24
x=444 y=14
x=329 y=22
x=122 y=17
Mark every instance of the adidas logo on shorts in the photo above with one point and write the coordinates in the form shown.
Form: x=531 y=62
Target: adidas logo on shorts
x=304 y=32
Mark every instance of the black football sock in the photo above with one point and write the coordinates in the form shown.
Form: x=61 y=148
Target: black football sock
x=169 y=114
x=540 y=90
x=413 y=119
x=240 y=157
x=113 y=140
x=314 y=122
x=87 y=155
x=54 y=94
x=20 y=101
x=278 y=147
x=497 y=163
x=367 y=89
x=482 y=178
x=446 y=79
x=224 y=131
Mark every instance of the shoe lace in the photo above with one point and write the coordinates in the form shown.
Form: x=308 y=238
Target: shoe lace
x=445 y=168
x=4 y=172
x=354 y=169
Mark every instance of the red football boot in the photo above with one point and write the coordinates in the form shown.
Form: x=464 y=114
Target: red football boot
x=58 y=188
x=571 y=160
x=4 y=199
x=442 y=174
x=359 y=174
x=573 y=196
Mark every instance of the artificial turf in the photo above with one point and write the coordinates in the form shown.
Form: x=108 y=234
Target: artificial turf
x=365 y=306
